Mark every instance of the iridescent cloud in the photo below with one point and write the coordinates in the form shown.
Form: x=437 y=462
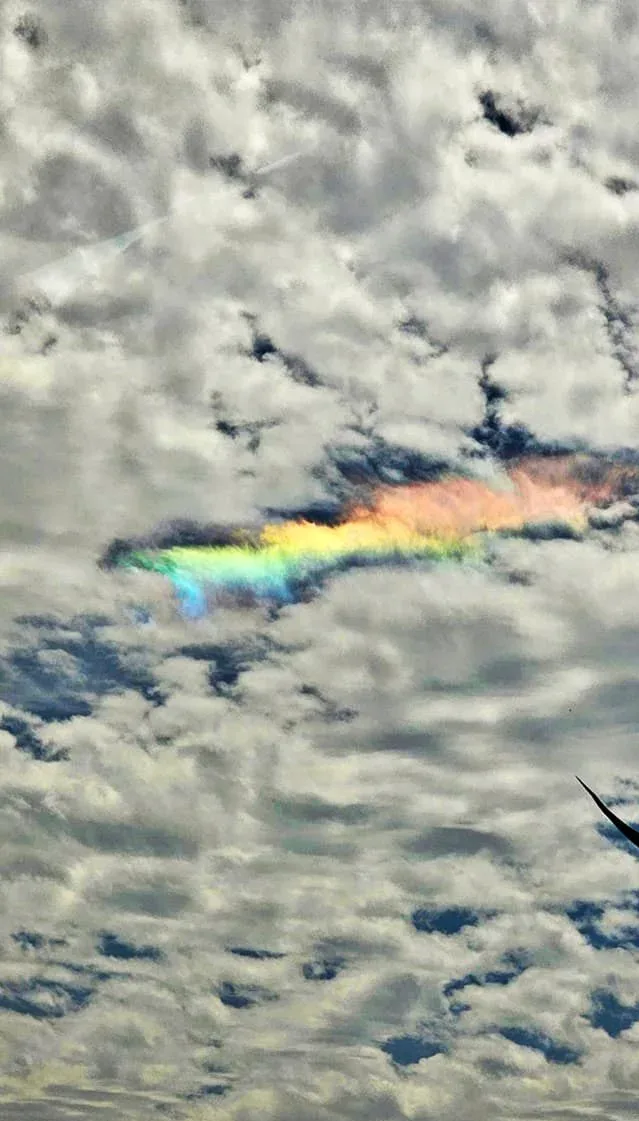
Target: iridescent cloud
x=446 y=520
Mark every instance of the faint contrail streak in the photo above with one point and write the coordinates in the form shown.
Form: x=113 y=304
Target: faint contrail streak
x=60 y=278
x=627 y=830
x=279 y=163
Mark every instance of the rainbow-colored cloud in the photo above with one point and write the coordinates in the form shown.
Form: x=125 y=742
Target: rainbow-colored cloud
x=443 y=520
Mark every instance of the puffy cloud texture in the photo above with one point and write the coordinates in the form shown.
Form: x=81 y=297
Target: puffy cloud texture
x=324 y=861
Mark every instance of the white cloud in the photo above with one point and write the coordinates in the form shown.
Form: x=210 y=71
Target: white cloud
x=407 y=740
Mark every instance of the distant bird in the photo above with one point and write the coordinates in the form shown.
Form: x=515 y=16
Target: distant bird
x=627 y=830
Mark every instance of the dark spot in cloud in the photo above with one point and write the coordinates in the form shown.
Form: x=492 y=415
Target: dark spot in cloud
x=48 y=344
x=507 y=123
x=243 y=996
x=185 y=532
x=22 y=863
x=176 y=532
x=80 y=310
x=458 y=983
x=619 y=327
x=93 y=971
x=256 y=955
x=138 y=839
x=116 y=551
x=493 y=393
x=447 y=920
x=300 y=371
x=28 y=684
x=29 y=939
x=632 y=899
x=229 y=165
x=195 y=12
x=363 y=420
x=506 y=442
x=315 y=844
x=313 y=810
x=413 y=325
x=608 y=1013
x=522 y=579
x=484 y=33
x=448 y=839
x=262 y=346
x=378 y=463
x=296 y=367
x=30 y=29
x=57 y=674
x=228 y=429
x=232 y=998
x=28 y=742
x=506 y=672
x=620 y=186
x=497 y=1068
x=595 y=470
x=547 y=531
x=331 y=712
x=587 y=917
x=22 y=319
x=28 y=308
x=416 y=742
x=537 y=1041
x=619 y=321
x=112 y=946
x=519 y=958
x=157 y=900
x=499 y=976
x=210 y=1089
x=324 y=969
x=133 y=837
x=530 y=729
x=225 y=672
x=235 y=429
x=228 y=662
x=405 y=1050
x=321 y=513
x=517 y=963
x=250 y=60
x=457 y=1008
x=43 y=999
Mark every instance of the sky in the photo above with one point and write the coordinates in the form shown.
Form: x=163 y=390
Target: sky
x=326 y=858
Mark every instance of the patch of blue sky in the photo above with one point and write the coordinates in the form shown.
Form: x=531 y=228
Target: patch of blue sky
x=447 y=920
x=60 y=668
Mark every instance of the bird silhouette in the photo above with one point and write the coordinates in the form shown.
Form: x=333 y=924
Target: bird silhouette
x=627 y=830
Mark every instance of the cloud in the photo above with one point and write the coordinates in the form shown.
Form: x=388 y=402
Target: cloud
x=328 y=861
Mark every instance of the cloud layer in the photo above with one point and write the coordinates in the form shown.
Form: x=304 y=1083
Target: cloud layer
x=330 y=861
